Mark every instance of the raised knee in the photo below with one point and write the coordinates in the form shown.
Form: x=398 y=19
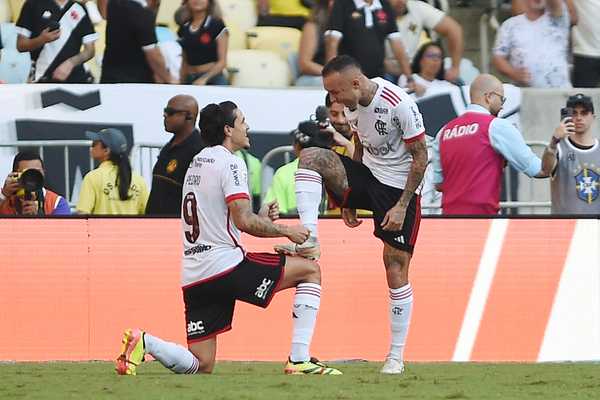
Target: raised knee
x=313 y=272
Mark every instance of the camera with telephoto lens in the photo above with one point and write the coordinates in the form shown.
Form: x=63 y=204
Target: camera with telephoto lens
x=315 y=132
x=30 y=181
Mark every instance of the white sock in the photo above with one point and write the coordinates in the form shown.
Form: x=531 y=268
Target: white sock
x=173 y=356
x=304 y=313
x=401 y=301
x=308 y=198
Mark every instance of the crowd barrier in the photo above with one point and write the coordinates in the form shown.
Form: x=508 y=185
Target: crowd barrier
x=485 y=290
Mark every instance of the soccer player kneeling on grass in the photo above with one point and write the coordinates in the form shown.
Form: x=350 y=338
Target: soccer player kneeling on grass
x=217 y=271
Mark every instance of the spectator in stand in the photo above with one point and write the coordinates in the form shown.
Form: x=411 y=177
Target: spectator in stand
x=15 y=200
x=359 y=28
x=586 y=44
x=287 y=13
x=204 y=40
x=428 y=70
x=180 y=116
x=132 y=54
x=532 y=48
x=574 y=156
x=414 y=17
x=53 y=32
x=112 y=188
x=311 y=54
x=471 y=152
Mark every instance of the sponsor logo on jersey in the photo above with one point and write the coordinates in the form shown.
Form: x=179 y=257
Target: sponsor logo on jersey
x=261 y=291
x=195 y=327
x=235 y=174
x=197 y=249
x=171 y=166
x=417 y=116
x=460 y=130
x=192 y=179
x=379 y=151
x=381 y=110
x=381 y=127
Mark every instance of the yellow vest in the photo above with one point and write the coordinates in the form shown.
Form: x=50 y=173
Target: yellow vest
x=288 y=7
x=100 y=194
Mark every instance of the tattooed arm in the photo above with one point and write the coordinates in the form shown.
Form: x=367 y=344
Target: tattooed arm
x=394 y=219
x=262 y=226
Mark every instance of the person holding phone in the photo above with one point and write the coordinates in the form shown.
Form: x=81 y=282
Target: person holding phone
x=54 y=31
x=574 y=156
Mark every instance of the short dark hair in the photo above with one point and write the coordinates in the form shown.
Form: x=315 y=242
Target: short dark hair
x=416 y=63
x=327 y=100
x=213 y=119
x=339 y=64
x=26 y=156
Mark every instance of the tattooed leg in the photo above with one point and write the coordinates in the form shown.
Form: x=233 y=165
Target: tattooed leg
x=327 y=164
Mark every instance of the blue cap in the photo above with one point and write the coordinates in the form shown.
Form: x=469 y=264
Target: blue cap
x=111 y=138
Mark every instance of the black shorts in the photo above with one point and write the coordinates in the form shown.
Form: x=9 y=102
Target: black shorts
x=209 y=304
x=367 y=193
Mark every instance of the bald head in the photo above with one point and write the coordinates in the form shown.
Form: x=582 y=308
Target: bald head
x=483 y=84
x=185 y=103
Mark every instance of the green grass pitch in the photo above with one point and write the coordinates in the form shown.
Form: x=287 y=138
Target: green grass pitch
x=254 y=380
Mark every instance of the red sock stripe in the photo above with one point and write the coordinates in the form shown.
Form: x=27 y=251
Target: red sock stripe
x=309 y=292
x=306 y=177
x=406 y=296
x=194 y=368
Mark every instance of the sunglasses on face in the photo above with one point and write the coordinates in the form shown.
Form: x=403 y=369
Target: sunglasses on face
x=172 y=111
x=433 y=56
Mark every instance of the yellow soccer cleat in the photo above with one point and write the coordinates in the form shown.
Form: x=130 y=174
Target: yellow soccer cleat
x=132 y=352
x=311 y=367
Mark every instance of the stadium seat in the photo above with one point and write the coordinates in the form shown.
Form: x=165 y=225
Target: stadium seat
x=282 y=41
x=237 y=39
x=15 y=8
x=239 y=12
x=166 y=14
x=5 y=12
x=14 y=66
x=257 y=68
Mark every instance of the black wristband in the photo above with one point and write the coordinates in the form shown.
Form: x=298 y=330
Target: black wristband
x=555 y=140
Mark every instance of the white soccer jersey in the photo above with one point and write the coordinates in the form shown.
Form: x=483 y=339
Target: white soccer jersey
x=390 y=120
x=211 y=241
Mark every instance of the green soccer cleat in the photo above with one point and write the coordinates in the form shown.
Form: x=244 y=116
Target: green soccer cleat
x=132 y=352
x=311 y=367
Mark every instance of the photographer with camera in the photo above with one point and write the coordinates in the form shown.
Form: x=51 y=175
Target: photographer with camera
x=23 y=192
x=574 y=155
x=53 y=31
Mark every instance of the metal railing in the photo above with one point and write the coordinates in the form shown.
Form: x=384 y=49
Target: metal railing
x=489 y=19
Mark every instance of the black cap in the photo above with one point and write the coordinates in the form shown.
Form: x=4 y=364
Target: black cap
x=112 y=138
x=580 y=99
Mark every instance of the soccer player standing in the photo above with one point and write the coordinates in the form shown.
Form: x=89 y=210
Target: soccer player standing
x=217 y=271
x=383 y=176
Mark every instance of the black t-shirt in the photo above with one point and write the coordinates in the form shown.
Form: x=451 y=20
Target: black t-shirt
x=168 y=174
x=365 y=44
x=200 y=46
x=75 y=27
x=130 y=27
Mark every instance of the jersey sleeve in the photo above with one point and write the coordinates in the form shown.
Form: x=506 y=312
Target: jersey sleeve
x=234 y=180
x=25 y=23
x=407 y=117
x=503 y=45
x=335 y=25
x=144 y=31
x=88 y=31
